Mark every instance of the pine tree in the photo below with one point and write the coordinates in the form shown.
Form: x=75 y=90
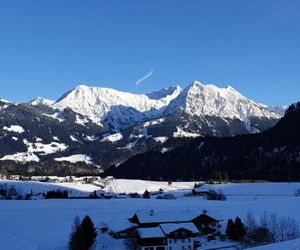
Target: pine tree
x=89 y=231
x=240 y=230
x=146 y=194
x=230 y=229
x=83 y=234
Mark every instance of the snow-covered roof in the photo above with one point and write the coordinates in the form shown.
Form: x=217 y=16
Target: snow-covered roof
x=152 y=216
x=171 y=227
x=151 y=232
x=120 y=225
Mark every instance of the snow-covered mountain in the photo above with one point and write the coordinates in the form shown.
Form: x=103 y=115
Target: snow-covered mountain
x=278 y=109
x=117 y=109
x=41 y=101
x=108 y=126
x=208 y=103
x=209 y=100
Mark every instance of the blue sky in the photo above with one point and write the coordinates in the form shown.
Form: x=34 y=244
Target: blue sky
x=49 y=47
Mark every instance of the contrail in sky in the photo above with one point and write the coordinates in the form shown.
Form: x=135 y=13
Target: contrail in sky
x=145 y=77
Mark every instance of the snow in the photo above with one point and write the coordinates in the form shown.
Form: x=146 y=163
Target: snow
x=14 y=128
x=129 y=145
x=73 y=138
x=46 y=224
x=245 y=190
x=45 y=149
x=21 y=157
x=181 y=133
x=96 y=103
x=34 y=148
x=152 y=232
x=5 y=101
x=76 y=158
x=139 y=186
x=77 y=188
x=278 y=109
x=57 y=116
x=202 y=100
x=161 y=139
x=81 y=121
x=154 y=122
x=291 y=245
x=37 y=139
x=171 y=227
x=164 y=150
x=41 y=101
x=14 y=138
x=91 y=138
x=3 y=107
x=112 y=138
x=147 y=216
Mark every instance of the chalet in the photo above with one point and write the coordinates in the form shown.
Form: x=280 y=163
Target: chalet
x=122 y=229
x=170 y=236
x=206 y=221
x=181 y=236
x=162 y=230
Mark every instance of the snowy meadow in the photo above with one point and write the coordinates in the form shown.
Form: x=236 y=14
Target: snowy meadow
x=46 y=223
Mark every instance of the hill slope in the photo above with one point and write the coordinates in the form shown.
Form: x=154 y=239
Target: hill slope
x=271 y=155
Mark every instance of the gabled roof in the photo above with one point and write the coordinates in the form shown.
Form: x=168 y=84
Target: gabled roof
x=171 y=227
x=119 y=225
x=150 y=232
x=153 y=216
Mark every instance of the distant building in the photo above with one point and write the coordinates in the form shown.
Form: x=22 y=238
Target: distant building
x=206 y=221
x=158 y=230
x=152 y=238
x=169 y=236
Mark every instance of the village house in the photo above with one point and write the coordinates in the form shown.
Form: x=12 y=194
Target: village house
x=162 y=230
x=207 y=222
x=169 y=236
x=151 y=238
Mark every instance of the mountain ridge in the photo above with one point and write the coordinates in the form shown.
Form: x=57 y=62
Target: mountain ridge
x=108 y=126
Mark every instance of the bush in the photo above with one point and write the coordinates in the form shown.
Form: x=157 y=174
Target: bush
x=271 y=229
x=166 y=197
x=83 y=234
x=261 y=234
x=213 y=195
x=57 y=194
x=197 y=185
x=146 y=195
x=134 y=195
x=235 y=230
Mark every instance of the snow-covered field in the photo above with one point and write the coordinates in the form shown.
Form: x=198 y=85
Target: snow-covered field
x=46 y=224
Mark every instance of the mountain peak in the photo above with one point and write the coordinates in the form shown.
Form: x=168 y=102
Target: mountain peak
x=161 y=93
x=41 y=101
x=116 y=108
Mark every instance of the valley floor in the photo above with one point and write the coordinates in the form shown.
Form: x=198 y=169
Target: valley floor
x=46 y=224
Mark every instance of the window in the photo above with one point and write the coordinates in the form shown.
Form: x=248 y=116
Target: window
x=160 y=248
x=183 y=248
x=175 y=241
x=189 y=248
x=189 y=240
x=170 y=241
x=183 y=240
x=170 y=248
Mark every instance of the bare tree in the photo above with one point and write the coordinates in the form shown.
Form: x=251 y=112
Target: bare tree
x=251 y=225
x=287 y=229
